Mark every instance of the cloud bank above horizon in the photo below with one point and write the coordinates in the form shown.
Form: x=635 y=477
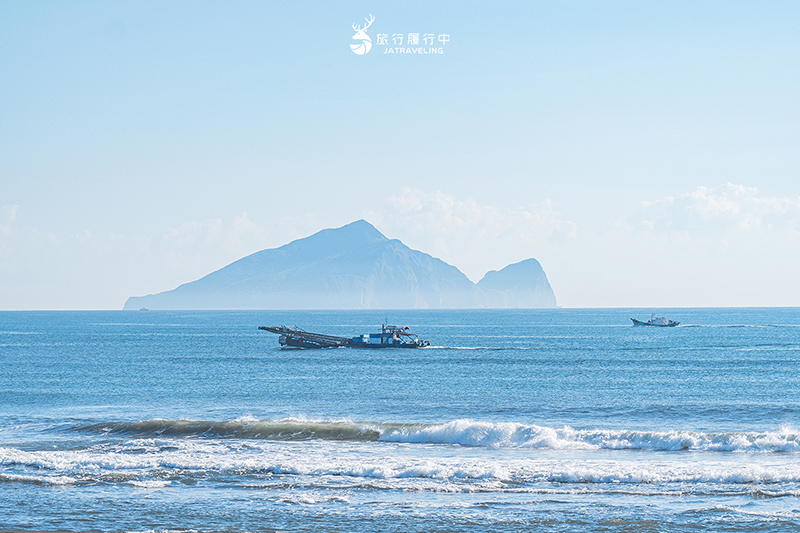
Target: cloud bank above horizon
x=658 y=255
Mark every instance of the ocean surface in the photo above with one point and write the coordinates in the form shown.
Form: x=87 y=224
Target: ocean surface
x=561 y=420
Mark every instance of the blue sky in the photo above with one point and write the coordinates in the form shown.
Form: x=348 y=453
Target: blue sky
x=645 y=153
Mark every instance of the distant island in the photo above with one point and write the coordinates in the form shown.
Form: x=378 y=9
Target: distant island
x=353 y=267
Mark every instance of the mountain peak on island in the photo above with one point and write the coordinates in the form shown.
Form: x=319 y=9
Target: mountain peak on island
x=351 y=267
x=519 y=285
x=336 y=240
x=358 y=231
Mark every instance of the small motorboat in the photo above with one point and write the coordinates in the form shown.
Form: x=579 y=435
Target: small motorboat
x=656 y=321
x=389 y=337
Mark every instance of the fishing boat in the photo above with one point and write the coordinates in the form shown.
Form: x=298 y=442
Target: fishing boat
x=389 y=337
x=656 y=321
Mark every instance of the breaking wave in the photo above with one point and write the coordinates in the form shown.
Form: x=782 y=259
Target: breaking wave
x=459 y=432
x=242 y=428
x=151 y=465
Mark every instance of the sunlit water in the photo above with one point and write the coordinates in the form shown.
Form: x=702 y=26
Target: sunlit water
x=540 y=420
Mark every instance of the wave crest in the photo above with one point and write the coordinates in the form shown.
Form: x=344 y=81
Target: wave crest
x=463 y=432
x=510 y=434
x=246 y=428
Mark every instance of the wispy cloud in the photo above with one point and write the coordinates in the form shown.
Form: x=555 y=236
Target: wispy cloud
x=8 y=213
x=94 y=269
x=472 y=236
x=194 y=247
x=720 y=246
x=718 y=210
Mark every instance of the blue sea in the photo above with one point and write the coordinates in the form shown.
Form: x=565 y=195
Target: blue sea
x=560 y=420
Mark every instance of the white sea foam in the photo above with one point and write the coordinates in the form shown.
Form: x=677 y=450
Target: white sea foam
x=150 y=484
x=310 y=498
x=39 y=480
x=458 y=456
x=392 y=465
x=509 y=434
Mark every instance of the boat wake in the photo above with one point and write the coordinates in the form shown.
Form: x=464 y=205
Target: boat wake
x=489 y=348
